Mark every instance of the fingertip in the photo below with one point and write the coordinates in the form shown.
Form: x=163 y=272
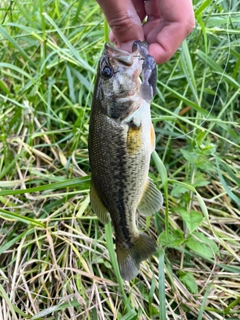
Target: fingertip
x=159 y=53
x=127 y=45
x=111 y=37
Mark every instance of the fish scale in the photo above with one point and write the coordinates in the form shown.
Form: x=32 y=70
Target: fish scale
x=121 y=140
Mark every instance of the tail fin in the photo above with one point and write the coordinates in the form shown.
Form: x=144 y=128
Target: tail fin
x=129 y=258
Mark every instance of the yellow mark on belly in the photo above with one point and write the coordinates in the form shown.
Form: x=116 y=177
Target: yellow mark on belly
x=134 y=139
x=152 y=137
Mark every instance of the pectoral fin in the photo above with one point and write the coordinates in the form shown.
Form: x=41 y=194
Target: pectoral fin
x=151 y=201
x=97 y=205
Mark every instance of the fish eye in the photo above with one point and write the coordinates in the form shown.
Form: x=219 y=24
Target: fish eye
x=107 y=72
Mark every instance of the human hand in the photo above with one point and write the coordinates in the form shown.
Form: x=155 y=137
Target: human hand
x=168 y=23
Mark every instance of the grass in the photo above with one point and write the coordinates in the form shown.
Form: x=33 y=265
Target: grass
x=56 y=259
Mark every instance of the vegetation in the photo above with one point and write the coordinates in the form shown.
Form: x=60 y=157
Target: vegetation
x=57 y=260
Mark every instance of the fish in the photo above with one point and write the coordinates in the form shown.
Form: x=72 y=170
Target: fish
x=121 y=140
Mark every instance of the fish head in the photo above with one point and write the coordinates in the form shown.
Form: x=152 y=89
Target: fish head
x=118 y=82
x=119 y=72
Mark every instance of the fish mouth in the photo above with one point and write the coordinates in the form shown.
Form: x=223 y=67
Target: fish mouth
x=119 y=55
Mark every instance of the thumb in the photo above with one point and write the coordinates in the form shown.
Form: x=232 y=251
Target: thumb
x=123 y=20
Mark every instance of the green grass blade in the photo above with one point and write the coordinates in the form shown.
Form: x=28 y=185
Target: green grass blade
x=201 y=311
x=113 y=259
x=188 y=69
x=162 y=295
x=4 y=295
x=233 y=196
x=15 y=44
x=164 y=178
x=106 y=31
x=74 y=52
x=14 y=240
x=18 y=217
x=82 y=183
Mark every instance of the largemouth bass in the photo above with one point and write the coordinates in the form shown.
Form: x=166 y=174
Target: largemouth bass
x=121 y=140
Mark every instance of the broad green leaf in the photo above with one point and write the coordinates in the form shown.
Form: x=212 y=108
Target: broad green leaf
x=178 y=190
x=192 y=218
x=200 y=180
x=206 y=240
x=189 y=281
x=190 y=156
x=172 y=240
x=201 y=248
x=198 y=158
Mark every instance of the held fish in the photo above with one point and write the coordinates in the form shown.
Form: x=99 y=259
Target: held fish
x=121 y=140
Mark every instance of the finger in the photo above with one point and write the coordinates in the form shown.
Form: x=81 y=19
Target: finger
x=169 y=23
x=139 y=6
x=165 y=43
x=152 y=9
x=123 y=20
x=127 y=46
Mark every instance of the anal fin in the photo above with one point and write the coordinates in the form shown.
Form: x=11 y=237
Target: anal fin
x=151 y=200
x=97 y=205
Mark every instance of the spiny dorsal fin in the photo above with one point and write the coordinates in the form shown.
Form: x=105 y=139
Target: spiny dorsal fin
x=151 y=200
x=98 y=207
